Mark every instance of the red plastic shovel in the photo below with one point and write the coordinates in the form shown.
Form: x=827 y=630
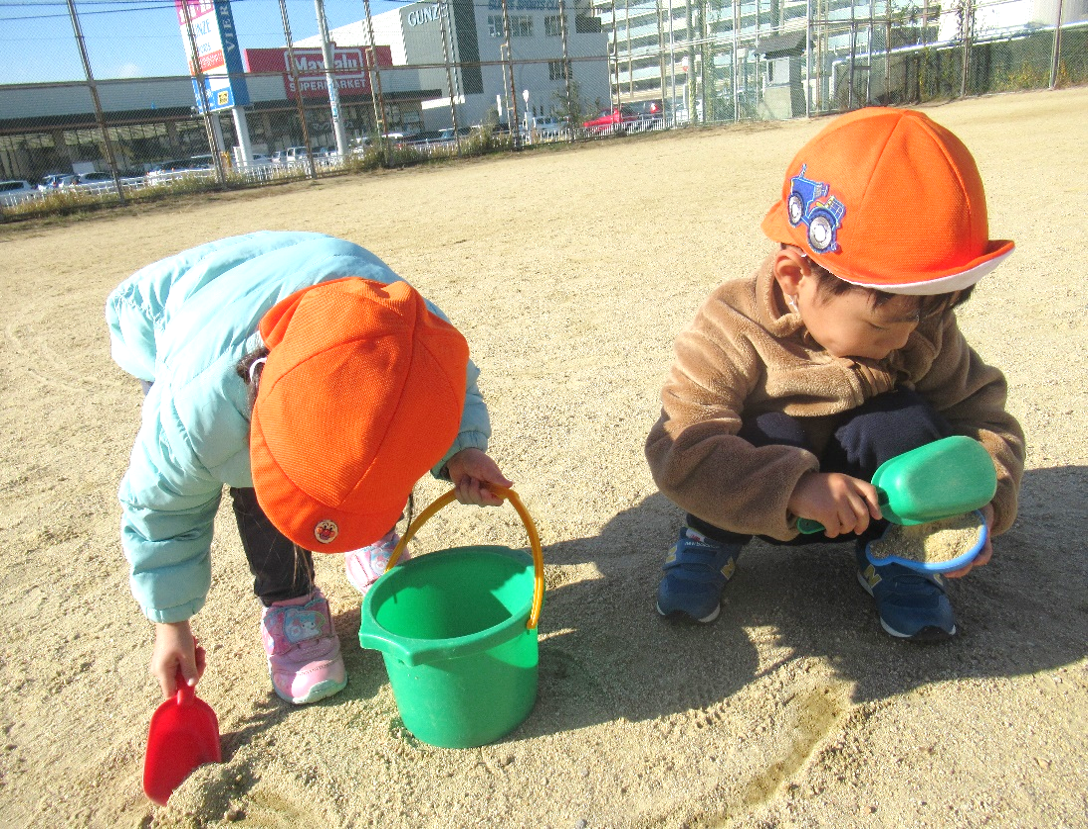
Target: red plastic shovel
x=184 y=734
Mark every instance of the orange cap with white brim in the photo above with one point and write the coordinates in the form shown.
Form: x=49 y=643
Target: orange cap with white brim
x=888 y=199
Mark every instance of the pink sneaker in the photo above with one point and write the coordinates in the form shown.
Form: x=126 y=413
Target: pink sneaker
x=303 y=652
x=363 y=566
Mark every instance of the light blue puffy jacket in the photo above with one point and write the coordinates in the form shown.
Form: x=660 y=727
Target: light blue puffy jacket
x=184 y=323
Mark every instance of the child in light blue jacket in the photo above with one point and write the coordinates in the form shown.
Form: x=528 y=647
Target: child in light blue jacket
x=195 y=329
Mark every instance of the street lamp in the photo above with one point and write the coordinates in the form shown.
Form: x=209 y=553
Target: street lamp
x=525 y=97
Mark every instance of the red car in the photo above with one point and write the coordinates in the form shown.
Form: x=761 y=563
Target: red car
x=617 y=120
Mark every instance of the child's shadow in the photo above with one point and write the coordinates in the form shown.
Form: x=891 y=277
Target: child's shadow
x=605 y=654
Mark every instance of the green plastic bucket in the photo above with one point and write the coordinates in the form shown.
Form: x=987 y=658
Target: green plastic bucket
x=457 y=631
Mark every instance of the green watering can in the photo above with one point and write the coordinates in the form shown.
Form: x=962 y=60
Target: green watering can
x=941 y=479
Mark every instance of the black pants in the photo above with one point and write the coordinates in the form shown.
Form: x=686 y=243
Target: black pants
x=883 y=427
x=281 y=569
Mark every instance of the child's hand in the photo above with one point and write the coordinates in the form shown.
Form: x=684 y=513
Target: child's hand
x=176 y=647
x=471 y=470
x=984 y=555
x=841 y=503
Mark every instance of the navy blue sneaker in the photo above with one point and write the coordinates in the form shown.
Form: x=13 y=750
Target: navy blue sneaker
x=911 y=604
x=696 y=569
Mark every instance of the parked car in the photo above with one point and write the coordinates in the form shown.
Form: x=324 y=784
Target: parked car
x=92 y=182
x=16 y=190
x=640 y=116
x=617 y=120
x=295 y=155
x=360 y=145
x=197 y=165
x=653 y=114
x=495 y=130
x=54 y=180
x=545 y=128
x=683 y=117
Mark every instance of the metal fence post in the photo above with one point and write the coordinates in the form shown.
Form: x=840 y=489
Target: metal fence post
x=967 y=22
x=512 y=104
x=661 y=64
x=93 y=88
x=615 y=60
x=1056 y=57
x=376 y=86
x=568 y=71
x=194 y=54
x=449 y=77
x=808 y=58
x=312 y=172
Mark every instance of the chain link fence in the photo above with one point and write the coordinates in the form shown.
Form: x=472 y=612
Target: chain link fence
x=468 y=76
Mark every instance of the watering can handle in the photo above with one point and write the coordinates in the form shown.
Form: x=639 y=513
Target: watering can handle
x=506 y=494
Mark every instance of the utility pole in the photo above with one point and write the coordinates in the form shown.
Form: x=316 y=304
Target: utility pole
x=330 y=80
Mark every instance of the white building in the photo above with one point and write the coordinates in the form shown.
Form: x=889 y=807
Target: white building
x=459 y=47
x=744 y=58
x=1003 y=17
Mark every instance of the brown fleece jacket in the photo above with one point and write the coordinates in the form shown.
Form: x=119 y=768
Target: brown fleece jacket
x=744 y=355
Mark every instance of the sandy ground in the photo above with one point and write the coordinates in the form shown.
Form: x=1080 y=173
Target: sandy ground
x=570 y=272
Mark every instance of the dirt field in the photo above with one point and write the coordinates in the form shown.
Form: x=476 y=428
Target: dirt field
x=570 y=272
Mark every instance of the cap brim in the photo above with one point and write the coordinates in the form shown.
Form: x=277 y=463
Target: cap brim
x=997 y=252
x=777 y=227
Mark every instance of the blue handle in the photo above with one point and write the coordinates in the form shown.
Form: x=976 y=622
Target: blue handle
x=807 y=526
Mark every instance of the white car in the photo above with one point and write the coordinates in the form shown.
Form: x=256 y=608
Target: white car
x=54 y=180
x=545 y=127
x=197 y=165
x=92 y=182
x=16 y=190
x=295 y=155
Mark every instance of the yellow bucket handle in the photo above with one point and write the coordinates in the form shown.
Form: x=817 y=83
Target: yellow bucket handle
x=534 y=542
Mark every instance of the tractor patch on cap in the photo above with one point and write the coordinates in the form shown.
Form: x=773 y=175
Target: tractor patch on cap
x=811 y=204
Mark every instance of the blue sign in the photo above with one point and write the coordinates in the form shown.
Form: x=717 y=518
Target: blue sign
x=210 y=26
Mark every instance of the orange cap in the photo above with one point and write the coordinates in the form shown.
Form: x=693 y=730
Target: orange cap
x=361 y=394
x=888 y=199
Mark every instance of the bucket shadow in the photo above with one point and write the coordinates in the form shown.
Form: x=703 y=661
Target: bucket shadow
x=605 y=654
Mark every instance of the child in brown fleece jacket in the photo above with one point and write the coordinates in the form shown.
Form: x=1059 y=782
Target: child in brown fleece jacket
x=792 y=386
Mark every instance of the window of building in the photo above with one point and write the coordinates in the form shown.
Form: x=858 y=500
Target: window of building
x=587 y=25
x=778 y=71
x=555 y=70
x=584 y=21
x=521 y=26
x=553 y=26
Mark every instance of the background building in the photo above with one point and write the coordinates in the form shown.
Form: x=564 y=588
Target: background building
x=459 y=47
